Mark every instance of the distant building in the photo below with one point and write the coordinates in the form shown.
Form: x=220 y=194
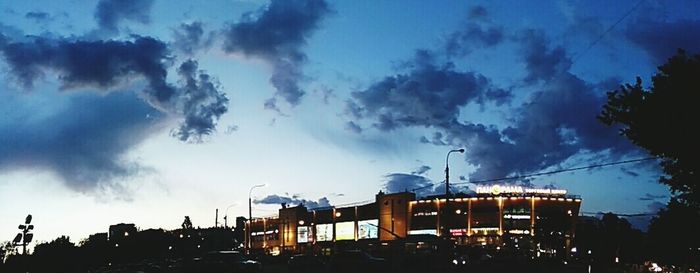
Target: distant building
x=98 y=237
x=539 y=220
x=119 y=232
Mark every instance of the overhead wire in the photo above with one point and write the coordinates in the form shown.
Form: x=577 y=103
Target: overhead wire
x=601 y=165
x=608 y=30
x=557 y=171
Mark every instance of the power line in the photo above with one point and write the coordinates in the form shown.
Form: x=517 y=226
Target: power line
x=541 y=173
x=597 y=40
x=559 y=171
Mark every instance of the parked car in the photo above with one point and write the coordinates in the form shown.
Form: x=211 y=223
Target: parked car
x=357 y=261
x=306 y=263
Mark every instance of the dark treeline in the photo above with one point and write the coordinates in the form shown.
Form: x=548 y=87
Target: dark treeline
x=612 y=241
x=146 y=247
x=672 y=239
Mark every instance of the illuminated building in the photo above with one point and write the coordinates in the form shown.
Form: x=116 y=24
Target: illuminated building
x=541 y=220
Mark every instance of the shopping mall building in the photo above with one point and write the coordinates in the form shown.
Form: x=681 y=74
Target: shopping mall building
x=495 y=216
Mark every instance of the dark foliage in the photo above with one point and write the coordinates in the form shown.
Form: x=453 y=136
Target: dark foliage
x=660 y=120
x=676 y=219
x=151 y=250
x=608 y=238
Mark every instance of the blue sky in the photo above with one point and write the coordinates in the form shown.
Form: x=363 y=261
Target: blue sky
x=145 y=111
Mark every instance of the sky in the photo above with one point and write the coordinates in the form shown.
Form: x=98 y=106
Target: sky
x=146 y=111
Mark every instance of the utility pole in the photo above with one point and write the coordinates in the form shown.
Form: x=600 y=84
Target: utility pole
x=216 y=218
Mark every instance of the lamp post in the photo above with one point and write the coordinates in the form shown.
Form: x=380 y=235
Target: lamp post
x=226 y=216
x=250 y=215
x=446 y=212
x=24 y=235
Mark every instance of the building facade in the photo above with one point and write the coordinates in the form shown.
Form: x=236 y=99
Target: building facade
x=541 y=220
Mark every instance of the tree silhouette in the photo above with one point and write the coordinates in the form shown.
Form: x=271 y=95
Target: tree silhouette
x=59 y=255
x=187 y=224
x=676 y=219
x=661 y=120
x=6 y=249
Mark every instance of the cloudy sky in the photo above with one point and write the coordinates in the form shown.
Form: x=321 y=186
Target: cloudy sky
x=144 y=111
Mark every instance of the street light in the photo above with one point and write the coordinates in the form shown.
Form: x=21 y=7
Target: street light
x=250 y=214
x=446 y=212
x=226 y=216
x=24 y=235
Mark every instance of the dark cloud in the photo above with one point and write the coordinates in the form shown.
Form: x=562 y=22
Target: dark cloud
x=38 y=16
x=425 y=96
x=202 y=103
x=661 y=40
x=478 y=33
x=277 y=34
x=92 y=64
x=109 y=13
x=191 y=37
x=555 y=122
x=352 y=109
x=652 y=197
x=83 y=142
x=421 y=170
x=271 y=104
x=420 y=185
x=541 y=62
x=472 y=37
x=106 y=65
x=293 y=201
x=437 y=139
x=400 y=182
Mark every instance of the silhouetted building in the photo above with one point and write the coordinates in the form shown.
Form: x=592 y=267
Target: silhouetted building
x=98 y=238
x=119 y=232
x=239 y=229
x=538 y=220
